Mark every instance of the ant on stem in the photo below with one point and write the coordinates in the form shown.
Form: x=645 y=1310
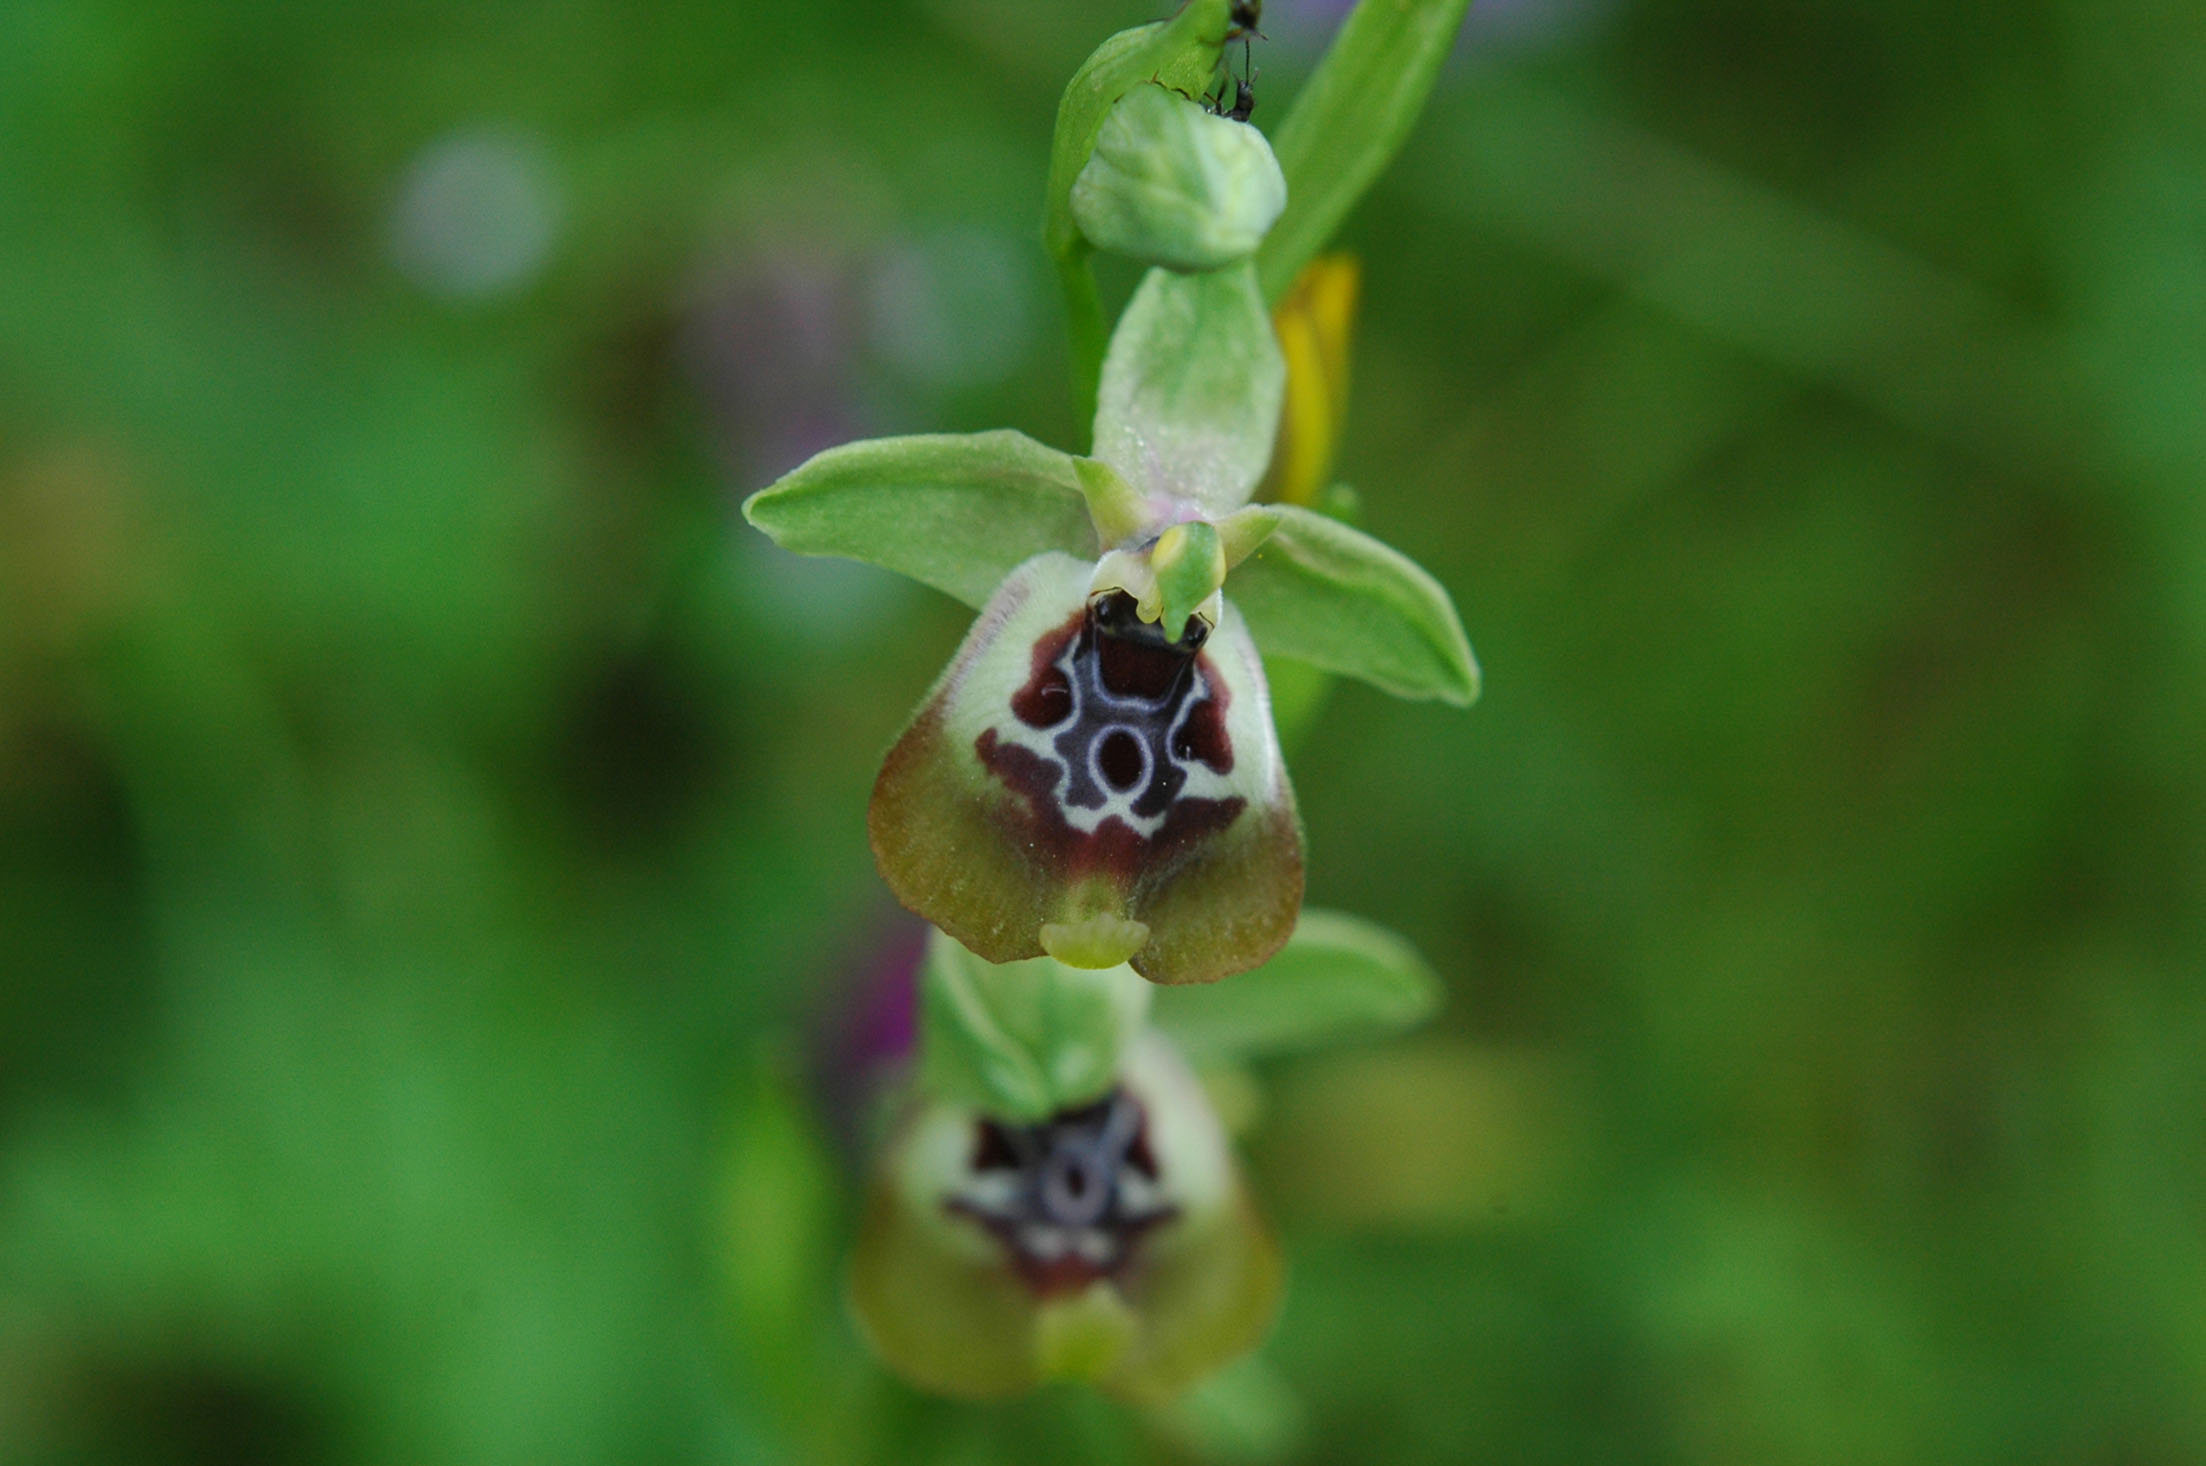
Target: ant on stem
x=1241 y=21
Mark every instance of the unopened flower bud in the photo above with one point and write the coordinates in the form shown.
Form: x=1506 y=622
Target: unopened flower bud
x=1173 y=184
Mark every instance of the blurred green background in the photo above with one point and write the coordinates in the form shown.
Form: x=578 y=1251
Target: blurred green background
x=433 y=889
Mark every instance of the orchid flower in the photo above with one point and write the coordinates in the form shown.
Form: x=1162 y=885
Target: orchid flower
x=1096 y=776
x=1083 y=1218
x=1059 y=1197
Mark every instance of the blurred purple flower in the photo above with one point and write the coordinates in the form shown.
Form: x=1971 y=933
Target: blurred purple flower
x=867 y=1026
x=771 y=342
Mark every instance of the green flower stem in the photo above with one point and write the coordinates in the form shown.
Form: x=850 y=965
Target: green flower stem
x=1087 y=333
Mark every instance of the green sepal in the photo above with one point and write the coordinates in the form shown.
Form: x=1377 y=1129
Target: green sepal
x=1191 y=389
x=1023 y=1040
x=1334 y=597
x=955 y=511
x=1172 y=183
x=1339 y=978
x=1350 y=119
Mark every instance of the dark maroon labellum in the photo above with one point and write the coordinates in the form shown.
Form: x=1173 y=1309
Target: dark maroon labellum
x=1070 y=1197
x=1128 y=717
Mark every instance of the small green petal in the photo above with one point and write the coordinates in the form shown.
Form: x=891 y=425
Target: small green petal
x=1242 y=531
x=1116 y=508
x=1323 y=593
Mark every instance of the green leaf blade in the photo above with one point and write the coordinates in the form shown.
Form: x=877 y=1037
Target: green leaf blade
x=1323 y=593
x=1339 y=978
x=1350 y=119
x=953 y=511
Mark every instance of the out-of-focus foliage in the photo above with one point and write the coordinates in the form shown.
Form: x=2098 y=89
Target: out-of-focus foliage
x=419 y=794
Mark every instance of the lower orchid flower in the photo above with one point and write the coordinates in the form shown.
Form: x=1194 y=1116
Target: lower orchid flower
x=1059 y=1197
x=1112 y=1241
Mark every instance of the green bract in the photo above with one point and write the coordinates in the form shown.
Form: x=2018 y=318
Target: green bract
x=1023 y=1040
x=1350 y=119
x=1338 y=977
x=1171 y=183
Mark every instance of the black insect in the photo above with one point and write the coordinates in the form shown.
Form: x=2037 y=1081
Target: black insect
x=1241 y=21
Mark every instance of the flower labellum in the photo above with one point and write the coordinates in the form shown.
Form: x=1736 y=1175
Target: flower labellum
x=1081 y=784
x=1112 y=1241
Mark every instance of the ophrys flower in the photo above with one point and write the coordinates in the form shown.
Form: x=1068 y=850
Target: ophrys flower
x=1096 y=775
